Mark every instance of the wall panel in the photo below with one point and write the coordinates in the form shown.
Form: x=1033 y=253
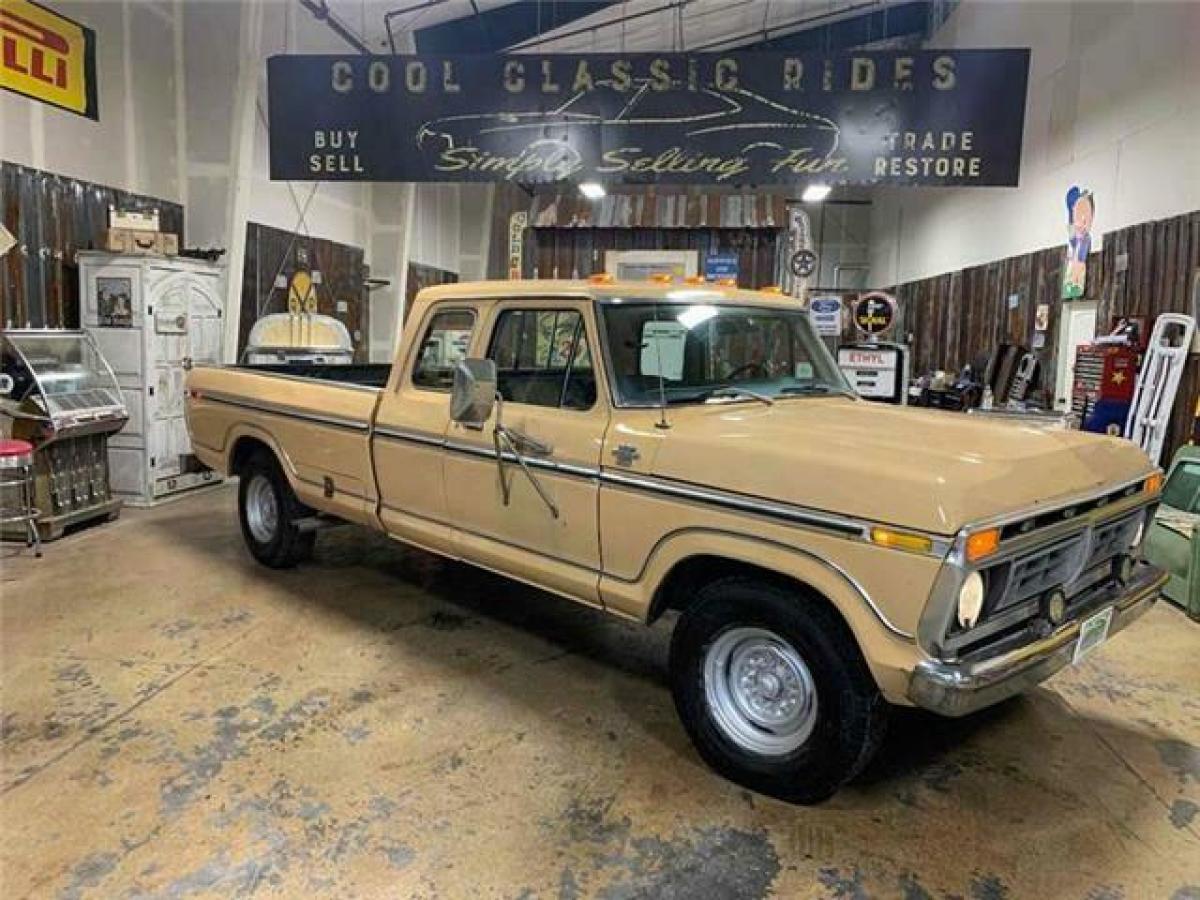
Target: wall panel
x=959 y=317
x=53 y=216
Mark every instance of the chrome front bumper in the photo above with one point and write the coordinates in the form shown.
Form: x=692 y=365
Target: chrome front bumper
x=958 y=688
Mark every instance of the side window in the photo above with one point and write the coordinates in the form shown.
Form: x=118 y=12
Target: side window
x=446 y=341
x=1182 y=490
x=543 y=359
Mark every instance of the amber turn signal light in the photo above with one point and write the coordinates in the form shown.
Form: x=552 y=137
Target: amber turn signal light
x=901 y=540
x=660 y=278
x=1153 y=484
x=982 y=543
x=601 y=278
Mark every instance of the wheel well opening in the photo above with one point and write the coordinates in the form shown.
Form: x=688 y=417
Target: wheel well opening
x=243 y=451
x=680 y=586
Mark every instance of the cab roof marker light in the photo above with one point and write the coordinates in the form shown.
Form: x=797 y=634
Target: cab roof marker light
x=602 y=278
x=1153 y=483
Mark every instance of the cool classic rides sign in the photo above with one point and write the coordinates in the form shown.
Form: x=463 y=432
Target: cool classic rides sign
x=946 y=117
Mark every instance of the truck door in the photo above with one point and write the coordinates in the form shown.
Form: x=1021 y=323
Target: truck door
x=539 y=523
x=410 y=428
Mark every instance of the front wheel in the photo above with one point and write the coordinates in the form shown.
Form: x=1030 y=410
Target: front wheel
x=268 y=510
x=770 y=684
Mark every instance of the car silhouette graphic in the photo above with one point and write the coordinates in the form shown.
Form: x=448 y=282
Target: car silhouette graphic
x=753 y=120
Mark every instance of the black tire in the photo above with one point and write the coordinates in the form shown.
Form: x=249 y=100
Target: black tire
x=285 y=545
x=851 y=715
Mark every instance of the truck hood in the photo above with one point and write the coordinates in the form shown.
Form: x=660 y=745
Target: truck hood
x=924 y=469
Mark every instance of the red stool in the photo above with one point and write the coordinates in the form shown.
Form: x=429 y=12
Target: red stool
x=16 y=472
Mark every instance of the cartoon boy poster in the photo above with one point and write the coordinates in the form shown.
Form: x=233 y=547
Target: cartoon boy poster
x=1081 y=212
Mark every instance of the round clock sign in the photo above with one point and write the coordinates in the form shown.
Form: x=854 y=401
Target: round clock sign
x=874 y=312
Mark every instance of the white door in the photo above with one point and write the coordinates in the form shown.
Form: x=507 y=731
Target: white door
x=1076 y=326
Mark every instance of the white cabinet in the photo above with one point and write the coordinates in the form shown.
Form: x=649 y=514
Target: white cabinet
x=149 y=315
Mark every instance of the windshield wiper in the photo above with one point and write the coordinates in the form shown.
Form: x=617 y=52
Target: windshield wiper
x=735 y=392
x=816 y=390
x=730 y=392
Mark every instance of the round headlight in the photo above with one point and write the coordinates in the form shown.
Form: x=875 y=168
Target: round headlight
x=970 y=600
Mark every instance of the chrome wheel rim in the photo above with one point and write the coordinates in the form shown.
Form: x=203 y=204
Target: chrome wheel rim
x=262 y=510
x=759 y=691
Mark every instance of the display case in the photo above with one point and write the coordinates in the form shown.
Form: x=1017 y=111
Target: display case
x=61 y=395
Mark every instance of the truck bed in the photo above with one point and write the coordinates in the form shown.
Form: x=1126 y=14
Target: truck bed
x=364 y=374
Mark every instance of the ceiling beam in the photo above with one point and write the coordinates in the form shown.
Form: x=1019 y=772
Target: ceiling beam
x=497 y=29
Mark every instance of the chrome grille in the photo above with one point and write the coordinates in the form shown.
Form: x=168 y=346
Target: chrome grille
x=1044 y=568
x=1112 y=538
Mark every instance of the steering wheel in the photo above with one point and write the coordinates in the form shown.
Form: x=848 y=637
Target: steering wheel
x=747 y=369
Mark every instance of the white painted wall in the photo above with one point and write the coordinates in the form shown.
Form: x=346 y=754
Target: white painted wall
x=183 y=103
x=136 y=144
x=1112 y=106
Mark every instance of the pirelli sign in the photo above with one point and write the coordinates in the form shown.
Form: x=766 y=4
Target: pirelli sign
x=48 y=57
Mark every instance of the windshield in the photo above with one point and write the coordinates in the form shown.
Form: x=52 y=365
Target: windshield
x=702 y=353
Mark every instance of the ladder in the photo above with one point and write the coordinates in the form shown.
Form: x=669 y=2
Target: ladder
x=1150 y=411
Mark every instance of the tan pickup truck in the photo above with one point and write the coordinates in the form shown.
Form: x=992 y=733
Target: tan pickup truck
x=649 y=447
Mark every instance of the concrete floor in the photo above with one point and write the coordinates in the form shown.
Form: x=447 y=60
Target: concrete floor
x=180 y=722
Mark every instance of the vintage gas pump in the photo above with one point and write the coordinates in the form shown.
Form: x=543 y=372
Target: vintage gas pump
x=877 y=369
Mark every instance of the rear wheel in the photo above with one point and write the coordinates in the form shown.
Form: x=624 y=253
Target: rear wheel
x=773 y=690
x=268 y=510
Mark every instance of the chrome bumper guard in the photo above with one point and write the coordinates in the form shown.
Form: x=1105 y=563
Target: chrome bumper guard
x=959 y=688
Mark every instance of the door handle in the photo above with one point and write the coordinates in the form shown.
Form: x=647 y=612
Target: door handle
x=530 y=445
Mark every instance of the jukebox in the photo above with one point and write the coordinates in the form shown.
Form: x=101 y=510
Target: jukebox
x=62 y=397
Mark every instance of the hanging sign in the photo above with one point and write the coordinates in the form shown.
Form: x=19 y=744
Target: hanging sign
x=48 y=57
x=874 y=312
x=940 y=117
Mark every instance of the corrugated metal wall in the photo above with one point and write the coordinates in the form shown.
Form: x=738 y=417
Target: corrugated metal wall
x=579 y=252
x=958 y=317
x=53 y=216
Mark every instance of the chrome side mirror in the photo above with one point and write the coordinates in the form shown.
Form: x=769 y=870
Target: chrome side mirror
x=474 y=392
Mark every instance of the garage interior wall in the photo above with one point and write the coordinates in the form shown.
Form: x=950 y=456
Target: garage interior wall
x=182 y=100
x=1111 y=107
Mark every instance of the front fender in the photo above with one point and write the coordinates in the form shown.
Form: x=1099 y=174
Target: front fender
x=889 y=649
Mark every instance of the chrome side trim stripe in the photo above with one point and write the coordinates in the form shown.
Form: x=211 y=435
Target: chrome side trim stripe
x=279 y=409
x=742 y=503
x=412 y=437
x=795 y=515
x=251 y=370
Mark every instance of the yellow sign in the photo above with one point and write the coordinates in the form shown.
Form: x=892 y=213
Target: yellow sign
x=47 y=57
x=302 y=293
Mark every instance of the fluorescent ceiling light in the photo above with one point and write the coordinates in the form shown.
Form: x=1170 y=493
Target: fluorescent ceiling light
x=815 y=193
x=593 y=190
